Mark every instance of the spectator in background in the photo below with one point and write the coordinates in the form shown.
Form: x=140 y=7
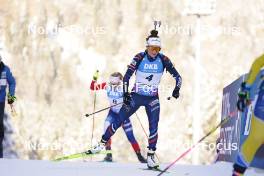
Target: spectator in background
x=9 y=143
x=6 y=78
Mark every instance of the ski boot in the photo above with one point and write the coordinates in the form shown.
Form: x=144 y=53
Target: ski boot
x=98 y=147
x=140 y=157
x=108 y=157
x=152 y=164
x=237 y=174
x=238 y=170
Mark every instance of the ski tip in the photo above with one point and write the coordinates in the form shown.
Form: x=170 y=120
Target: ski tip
x=56 y=160
x=156 y=167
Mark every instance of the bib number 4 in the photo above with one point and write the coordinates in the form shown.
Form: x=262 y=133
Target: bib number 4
x=114 y=101
x=149 y=78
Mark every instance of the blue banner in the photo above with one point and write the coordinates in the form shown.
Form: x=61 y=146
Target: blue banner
x=230 y=131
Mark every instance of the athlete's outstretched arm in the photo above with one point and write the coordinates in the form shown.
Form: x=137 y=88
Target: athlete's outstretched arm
x=172 y=70
x=132 y=67
x=95 y=86
x=11 y=81
x=255 y=68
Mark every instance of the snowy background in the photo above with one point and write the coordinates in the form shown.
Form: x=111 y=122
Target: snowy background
x=54 y=46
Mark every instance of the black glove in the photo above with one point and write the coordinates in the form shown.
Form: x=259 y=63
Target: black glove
x=127 y=98
x=176 y=92
x=243 y=98
x=11 y=99
x=96 y=75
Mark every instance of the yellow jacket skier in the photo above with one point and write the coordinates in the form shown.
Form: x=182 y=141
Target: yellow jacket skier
x=256 y=136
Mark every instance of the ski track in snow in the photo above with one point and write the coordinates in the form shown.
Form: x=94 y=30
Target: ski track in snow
x=15 y=167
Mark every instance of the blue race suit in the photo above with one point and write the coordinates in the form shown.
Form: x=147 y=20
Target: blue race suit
x=116 y=97
x=145 y=92
x=6 y=79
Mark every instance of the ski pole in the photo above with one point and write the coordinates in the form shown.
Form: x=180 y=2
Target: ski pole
x=145 y=132
x=156 y=23
x=94 y=103
x=141 y=125
x=87 y=115
x=169 y=98
x=13 y=111
x=194 y=145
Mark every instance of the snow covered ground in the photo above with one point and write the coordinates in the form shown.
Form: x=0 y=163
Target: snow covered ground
x=15 y=167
